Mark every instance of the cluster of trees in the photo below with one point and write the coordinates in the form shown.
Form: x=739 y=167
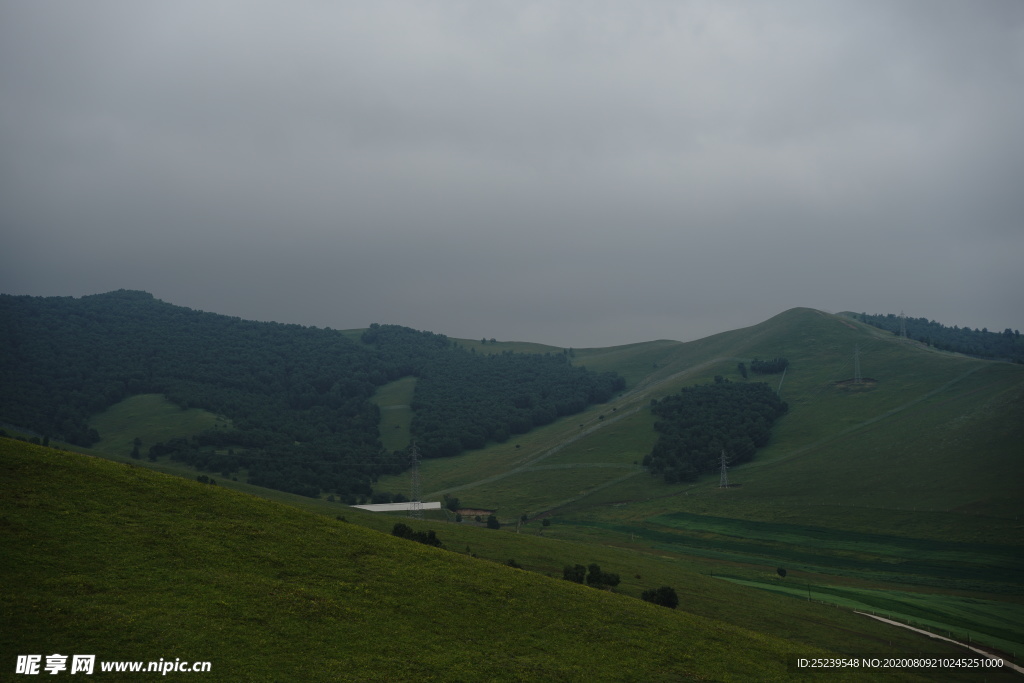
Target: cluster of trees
x=1005 y=345
x=767 y=367
x=425 y=537
x=664 y=596
x=464 y=399
x=298 y=397
x=698 y=423
x=592 y=575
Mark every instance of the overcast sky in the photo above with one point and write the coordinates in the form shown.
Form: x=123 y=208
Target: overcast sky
x=576 y=173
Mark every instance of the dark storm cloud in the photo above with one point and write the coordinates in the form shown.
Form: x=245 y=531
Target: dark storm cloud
x=569 y=172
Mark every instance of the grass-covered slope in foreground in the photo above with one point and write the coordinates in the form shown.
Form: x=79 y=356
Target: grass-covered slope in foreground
x=127 y=564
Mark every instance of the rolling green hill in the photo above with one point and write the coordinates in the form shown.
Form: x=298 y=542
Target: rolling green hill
x=127 y=564
x=898 y=494
x=913 y=478
x=926 y=430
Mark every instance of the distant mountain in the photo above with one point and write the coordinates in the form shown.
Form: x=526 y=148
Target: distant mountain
x=298 y=397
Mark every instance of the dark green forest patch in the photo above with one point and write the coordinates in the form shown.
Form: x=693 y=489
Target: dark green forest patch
x=298 y=399
x=698 y=424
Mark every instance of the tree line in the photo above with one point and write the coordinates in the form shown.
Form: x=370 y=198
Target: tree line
x=770 y=366
x=695 y=425
x=1005 y=345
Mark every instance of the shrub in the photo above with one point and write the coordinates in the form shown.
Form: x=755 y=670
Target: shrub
x=425 y=537
x=664 y=596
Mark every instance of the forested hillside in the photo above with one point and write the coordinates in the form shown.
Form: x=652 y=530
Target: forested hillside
x=298 y=397
x=700 y=423
x=465 y=399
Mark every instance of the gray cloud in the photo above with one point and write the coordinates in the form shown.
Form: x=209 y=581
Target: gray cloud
x=575 y=173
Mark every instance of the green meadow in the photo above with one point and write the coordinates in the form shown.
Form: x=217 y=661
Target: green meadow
x=394 y=401
x=152 y=419
x=952 y=616
x=903 y=492
x=115 y=560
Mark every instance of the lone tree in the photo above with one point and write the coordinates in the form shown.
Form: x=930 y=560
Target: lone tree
x=781 y=572
x=492 y=522
x=664 y=596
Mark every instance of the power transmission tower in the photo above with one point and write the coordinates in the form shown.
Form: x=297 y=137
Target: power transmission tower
x=856 y=365
x=415 y=494
x=723 y=480
x=903 y=326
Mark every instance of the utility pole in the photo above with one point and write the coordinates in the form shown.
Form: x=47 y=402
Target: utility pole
x=415 y=494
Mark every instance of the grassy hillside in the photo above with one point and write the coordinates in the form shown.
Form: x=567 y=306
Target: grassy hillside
x=929 y=430
x=118 y=561
x=151 y=418
x=394 y=400
x=912 y=479
x=901 y=494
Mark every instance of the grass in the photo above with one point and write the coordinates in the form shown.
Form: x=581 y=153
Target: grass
x=925 y=459
x=394 y=400
x=966 y=619
x=107 y=558
x=151 y=418
x=904 y=485
x=991 y=568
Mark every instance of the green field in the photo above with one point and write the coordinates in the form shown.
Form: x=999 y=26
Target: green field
x=394 y=399
x=962 y=618
x=113 y=559
x=903 y=489
x=152 y=419
x=914 y=479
